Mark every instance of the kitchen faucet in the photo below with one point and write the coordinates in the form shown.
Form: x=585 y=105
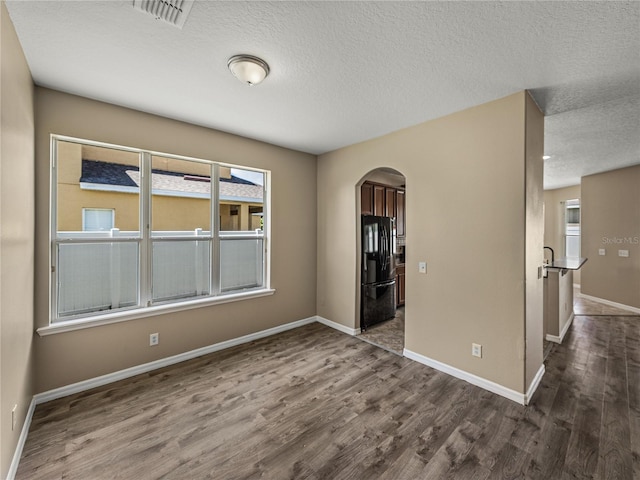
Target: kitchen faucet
x=552 y=254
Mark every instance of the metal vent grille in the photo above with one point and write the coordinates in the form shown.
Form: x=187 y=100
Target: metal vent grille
x=171 y=11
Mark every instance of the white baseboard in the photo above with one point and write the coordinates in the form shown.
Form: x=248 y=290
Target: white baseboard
x=163 y=362
x=534 y=384
x=610 y=303
x=147 y=367
x=493 y=387
x=13 y=468
x=337 y=326
x=130 y=372
x=565 y=329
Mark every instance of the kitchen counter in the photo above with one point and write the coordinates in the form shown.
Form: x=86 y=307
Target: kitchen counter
x=558 y=297
x=567 y=263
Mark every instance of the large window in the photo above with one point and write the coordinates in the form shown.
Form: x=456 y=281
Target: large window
x=572 y=228
x=133 y=229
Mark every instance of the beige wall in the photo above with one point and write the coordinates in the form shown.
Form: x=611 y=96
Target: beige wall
x=611 y=220
x=554 y=218
x=465 y=182
x=16 y=238
x=65 y=358
x=534 y=243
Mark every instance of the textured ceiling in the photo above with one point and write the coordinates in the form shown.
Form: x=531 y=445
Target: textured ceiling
x=344 y=72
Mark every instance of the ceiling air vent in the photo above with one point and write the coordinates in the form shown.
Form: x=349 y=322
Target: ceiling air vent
x=171 y=11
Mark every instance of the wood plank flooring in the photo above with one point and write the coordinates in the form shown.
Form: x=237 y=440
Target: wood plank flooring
x=584 y=306
x=313 y=403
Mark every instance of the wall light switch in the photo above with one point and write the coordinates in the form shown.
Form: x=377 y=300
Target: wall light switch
x=602 y=251
x=422 y=267
x=623 y=253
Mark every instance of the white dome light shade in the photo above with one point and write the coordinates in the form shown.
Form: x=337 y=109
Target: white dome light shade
x=248 y=69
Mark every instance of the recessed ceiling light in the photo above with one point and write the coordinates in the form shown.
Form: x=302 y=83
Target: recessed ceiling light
x=248 y=69
x=546 y=157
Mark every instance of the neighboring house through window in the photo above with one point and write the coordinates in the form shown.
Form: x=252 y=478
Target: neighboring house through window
x=186 y=229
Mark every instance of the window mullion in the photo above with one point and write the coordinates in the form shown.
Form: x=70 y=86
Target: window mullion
x=215 y=229
x=53 y=260
x=146 y=248
x=266 y=230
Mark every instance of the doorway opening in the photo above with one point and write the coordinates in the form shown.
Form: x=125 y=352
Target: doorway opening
x=381 y=250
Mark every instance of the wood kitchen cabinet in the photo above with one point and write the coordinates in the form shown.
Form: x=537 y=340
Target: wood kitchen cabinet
x=390 y=202
x=378 y=200
x=384 y=201
x=400 y=271
x=366 y=199
x=400 y=213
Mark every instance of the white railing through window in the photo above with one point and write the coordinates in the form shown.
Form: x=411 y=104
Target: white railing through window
x=96 y=276
x=98 y=271
x=241 y=262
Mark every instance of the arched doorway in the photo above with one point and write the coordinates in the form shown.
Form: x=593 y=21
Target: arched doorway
x=381 y=252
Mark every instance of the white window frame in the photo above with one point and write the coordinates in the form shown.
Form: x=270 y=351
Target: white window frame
x=571 y=204
x=85 y=210
x=145 y=306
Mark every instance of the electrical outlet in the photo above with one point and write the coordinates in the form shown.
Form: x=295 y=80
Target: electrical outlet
x=476 y=350
x=154 y=339
x=14 y=411
x=623 y=253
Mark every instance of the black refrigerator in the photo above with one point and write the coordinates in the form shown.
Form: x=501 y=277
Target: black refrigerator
x=378 y=275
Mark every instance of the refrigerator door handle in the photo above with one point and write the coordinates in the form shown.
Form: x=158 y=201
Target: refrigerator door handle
x=386 y=249
x=383 y=249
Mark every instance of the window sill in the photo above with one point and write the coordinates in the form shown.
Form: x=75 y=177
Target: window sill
x=124 y=316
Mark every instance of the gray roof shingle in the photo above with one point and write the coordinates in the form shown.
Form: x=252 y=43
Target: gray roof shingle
x=106 y=173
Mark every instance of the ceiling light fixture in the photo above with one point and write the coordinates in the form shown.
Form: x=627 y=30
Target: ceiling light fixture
x=248 y=69
x=546 y=157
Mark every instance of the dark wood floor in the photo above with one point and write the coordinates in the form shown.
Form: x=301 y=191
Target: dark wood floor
x=314 y=403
